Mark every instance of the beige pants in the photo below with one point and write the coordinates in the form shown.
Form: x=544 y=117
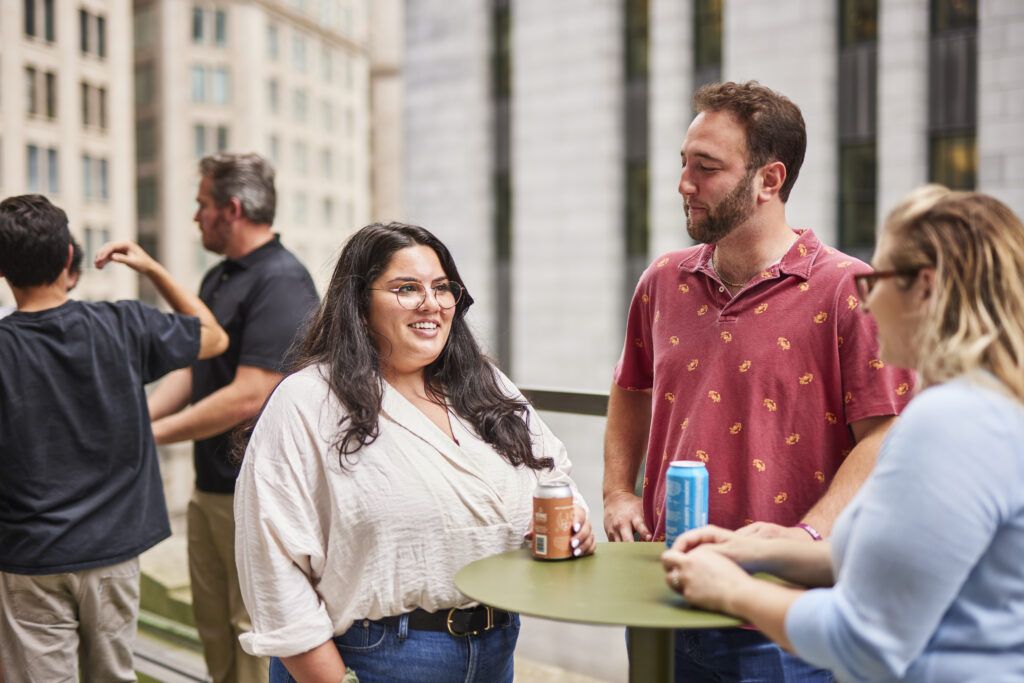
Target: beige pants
x=216 y=599
x=54 y=626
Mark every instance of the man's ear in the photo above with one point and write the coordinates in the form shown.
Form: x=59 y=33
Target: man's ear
x=234 y=208
x=773 y=176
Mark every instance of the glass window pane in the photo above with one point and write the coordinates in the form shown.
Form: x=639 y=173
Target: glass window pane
x=146 y=197
x=87 y=176
x=954 y=161
x=48 y=19
x=300 y=105
x=199 y=141
x=32 y=163
x=858 y=196
x=101 y=36
x=273 y=96
x=222 y=138
x=272 y=42
x=198 y=84
x=30 y=17
x=221 y=86
x=637 y=25
x=299 y=53
x=220 y=28
x=102 y=92
x=53 y=170
x=858 y=22
x=83 y=31
x=51 y=94
x=951 y=15
x=86 y=116
x=145 y=140
x=144 y=84
x=104 y=179
x=327 y=63
x=707 y=27
x=197 y=25
x=31 y=96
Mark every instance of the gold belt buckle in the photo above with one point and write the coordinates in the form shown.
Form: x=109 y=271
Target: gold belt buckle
x=454 y=634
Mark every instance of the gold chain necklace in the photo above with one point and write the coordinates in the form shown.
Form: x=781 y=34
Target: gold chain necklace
x=714 y=267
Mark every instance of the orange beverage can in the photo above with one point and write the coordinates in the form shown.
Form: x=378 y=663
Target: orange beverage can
x=552 y=521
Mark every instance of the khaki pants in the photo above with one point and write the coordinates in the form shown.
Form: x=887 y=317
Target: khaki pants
x=53 y=626
x=216 y=599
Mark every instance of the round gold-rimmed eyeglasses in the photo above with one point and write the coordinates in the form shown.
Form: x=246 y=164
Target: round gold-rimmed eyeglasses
x=411 y=295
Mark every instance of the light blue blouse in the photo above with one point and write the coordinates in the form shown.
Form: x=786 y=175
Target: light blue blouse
x=929 y=556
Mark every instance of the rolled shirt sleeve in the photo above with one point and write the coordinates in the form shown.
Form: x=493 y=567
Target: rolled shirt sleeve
x=278 y=537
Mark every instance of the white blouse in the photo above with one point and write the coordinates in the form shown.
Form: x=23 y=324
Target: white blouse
x=318 y=546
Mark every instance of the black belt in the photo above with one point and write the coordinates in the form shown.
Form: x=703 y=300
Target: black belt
x=457 y=622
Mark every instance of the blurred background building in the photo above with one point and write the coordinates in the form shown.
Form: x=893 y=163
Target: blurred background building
x=539 y=139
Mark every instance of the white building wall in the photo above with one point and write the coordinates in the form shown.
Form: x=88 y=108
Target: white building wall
x=568 y=176
x=1001 y=101
x=671 y=85
x=790 y=46
x=902 y=100
x=448 y=143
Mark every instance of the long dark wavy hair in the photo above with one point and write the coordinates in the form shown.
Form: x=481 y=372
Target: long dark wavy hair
x=339 y=339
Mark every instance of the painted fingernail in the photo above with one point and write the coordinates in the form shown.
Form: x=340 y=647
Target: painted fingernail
x=575 y=543
x=576 y=553
x=576 y=528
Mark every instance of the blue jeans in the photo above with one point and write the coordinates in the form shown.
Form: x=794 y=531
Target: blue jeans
x=382 y=653
x=737 y=655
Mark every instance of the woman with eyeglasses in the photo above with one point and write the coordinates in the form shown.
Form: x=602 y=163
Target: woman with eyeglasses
x=922 y=579
x=392 y=456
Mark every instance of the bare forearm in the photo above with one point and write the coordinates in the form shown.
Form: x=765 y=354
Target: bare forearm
x=222 y=410
x=171 y=394
x=799 y=562
x=213 y=339
x=626 y=432
x=851 y=475
x=764 y=605
x=322 y=664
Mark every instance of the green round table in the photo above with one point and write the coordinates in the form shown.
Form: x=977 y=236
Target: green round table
x=621 y=584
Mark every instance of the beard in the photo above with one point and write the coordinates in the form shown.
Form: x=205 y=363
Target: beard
x=726 y=216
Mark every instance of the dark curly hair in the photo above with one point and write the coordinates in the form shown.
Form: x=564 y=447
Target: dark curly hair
x=774 y=125
x=339 y=338
x=34 y=240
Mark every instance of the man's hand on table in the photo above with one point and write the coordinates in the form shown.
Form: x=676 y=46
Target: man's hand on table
x=624 y=516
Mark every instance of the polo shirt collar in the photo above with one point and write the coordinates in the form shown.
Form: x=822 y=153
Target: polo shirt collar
x=796 y=261
x=256 y=255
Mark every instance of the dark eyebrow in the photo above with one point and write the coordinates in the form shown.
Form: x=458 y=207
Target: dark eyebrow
x=702 y=155
x=407 y=278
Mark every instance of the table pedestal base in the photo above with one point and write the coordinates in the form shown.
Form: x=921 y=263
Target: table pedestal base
x=651 y=655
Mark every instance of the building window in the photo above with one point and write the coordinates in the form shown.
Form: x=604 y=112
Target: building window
x=51 y=94
x=222 y=138
x=31 y=91
x=197 y=25
x=327 y=163
x=32 y=9
x=328 y=212
x=42 y=163
x=144 y=84
x=299 y=53
x=92 y=34
x=301 y=158
x=327 y=63
x=327 y=111
x=95 y=178
x=94 y=106
x=707 y=42
x=857 y=105
x=221 y=86
x=145 y=140
x=953 y=94
x=273 y=97
x=199 y=141
x=198 y=84
x=146 y=199
x=220 y=28
x=87 y=177
x=301 y=209
x=636 y=214
x=53 y=170
x=501 y=178
x=300 y=105
x=32 y=168
x=273 y=42
x=275 y=150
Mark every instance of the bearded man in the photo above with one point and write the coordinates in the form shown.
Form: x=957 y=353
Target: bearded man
x=748 y=352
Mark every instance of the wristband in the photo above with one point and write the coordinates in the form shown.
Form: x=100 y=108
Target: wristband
x=811 y=531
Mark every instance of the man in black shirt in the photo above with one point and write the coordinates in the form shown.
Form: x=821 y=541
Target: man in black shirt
x=261 y=294
x=80 y=489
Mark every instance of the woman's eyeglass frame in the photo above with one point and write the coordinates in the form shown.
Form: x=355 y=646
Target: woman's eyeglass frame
x=456 y=289
x=865 y=283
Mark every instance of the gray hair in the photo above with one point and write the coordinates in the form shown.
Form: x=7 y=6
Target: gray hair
x=248 y=177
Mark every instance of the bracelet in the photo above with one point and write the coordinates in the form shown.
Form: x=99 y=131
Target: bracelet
x=811 y=531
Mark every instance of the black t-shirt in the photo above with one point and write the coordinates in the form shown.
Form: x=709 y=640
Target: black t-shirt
x=80 y=481
x=262 y=300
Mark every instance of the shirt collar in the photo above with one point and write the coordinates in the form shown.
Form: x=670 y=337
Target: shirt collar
x=254 y=256
x=796 y=261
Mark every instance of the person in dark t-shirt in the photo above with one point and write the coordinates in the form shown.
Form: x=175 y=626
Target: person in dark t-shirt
x=80 y=489
x=262 y=295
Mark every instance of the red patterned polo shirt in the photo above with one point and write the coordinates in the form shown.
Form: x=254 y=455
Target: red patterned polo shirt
x=761 y=386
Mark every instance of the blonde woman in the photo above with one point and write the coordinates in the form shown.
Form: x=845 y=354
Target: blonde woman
x=923 y=579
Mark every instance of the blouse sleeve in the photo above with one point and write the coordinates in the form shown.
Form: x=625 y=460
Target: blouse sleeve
x=278 y=532
x=926 y=516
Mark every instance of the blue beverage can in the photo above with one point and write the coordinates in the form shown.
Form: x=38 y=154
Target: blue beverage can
x=686 y=498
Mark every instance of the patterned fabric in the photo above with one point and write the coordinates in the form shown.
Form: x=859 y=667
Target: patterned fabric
x=760 y=386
